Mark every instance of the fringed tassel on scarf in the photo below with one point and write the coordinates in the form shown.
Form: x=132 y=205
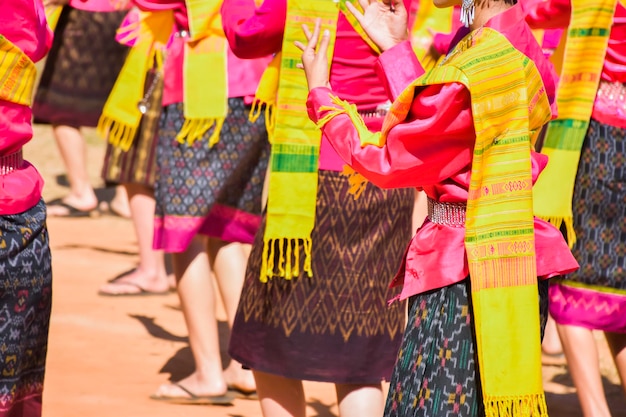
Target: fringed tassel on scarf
x=529 y=406
x=265 y=95
x=366 y=137
x=121 y=116
x=119 y=134
x=288 y=252
x=194 y=129
x=568 y=222
x=357 y=181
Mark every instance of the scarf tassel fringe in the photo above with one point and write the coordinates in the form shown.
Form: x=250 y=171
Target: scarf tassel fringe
x=270 y=114
x=194 y=129
x=281 y=258
x=119 y=134
x=557 y=222
x=526 y=406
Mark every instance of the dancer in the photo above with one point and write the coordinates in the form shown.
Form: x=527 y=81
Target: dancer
x=25 y=262
x=211 y=163
x=463 y=131
x=79 y=73
x=314 y=303
x=131 y=166
x=586 y=145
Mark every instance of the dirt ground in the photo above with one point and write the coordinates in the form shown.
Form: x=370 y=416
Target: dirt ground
x=107 y=355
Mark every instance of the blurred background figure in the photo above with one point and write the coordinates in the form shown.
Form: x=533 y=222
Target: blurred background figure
x=131 y=167
x=80 y=71
x=583 y=188
x=25 y=262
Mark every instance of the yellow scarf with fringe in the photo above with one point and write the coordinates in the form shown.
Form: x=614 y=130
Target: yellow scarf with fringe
x=585 y=48
x=295 y=142
x=204 y=49
x=509 y=107
x=18 y=74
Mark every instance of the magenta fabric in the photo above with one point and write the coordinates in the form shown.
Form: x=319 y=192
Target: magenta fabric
x=440 y=161
x=23 y=22
x=96 y=5
x=588 y=307
x=254 y=32
x=230 y=224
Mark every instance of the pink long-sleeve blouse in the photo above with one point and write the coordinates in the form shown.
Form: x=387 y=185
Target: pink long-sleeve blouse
x=99 y=5
x=243 y=74
x=254 y=32
x=23 y=23
x=433 y=149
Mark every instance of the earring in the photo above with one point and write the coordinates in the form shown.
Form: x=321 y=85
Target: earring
x=467 y=12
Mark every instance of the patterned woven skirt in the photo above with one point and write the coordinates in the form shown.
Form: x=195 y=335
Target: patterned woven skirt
x=25 y=303
x=436 y=373
x=336 y=326
x=212 y=191
x=137 y=165
x=81 y=68
x=595 y=296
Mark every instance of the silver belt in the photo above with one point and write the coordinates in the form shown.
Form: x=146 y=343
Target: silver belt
x=380 y=111
x=11 y=162
x=447 y=214
x=613 y=95
x=373 y=113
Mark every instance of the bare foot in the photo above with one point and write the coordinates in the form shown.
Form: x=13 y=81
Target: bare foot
x=136 y=282
x=238 y=378
x=120 y=207
x=71 y=206
x=192 y=384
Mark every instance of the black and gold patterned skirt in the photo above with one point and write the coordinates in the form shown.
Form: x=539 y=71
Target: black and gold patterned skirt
x=436 y=373
x=81 y=68
x=336 y=326
x=25 y=305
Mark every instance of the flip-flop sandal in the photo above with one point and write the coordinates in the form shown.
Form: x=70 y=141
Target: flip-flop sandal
x=191 y=398
x=140 y=290
x=243 y=394
x=72 y=211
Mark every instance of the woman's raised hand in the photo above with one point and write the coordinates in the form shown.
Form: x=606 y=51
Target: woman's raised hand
x=384 y=21
x=314 y=57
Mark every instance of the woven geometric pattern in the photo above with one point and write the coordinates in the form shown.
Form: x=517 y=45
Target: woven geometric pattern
x=342 y=310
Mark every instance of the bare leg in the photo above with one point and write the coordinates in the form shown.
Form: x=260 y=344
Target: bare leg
x=280 y=397
x=197 y=299
x=73 y=151
x=150 y=274
x=551 y=344
x=617 y=344
x=360 y=400
x=229 y=262
x=120 y=204
x=581 y=352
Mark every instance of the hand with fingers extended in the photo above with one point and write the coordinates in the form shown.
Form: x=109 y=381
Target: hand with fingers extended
x=384 y=21
x=314 y=57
